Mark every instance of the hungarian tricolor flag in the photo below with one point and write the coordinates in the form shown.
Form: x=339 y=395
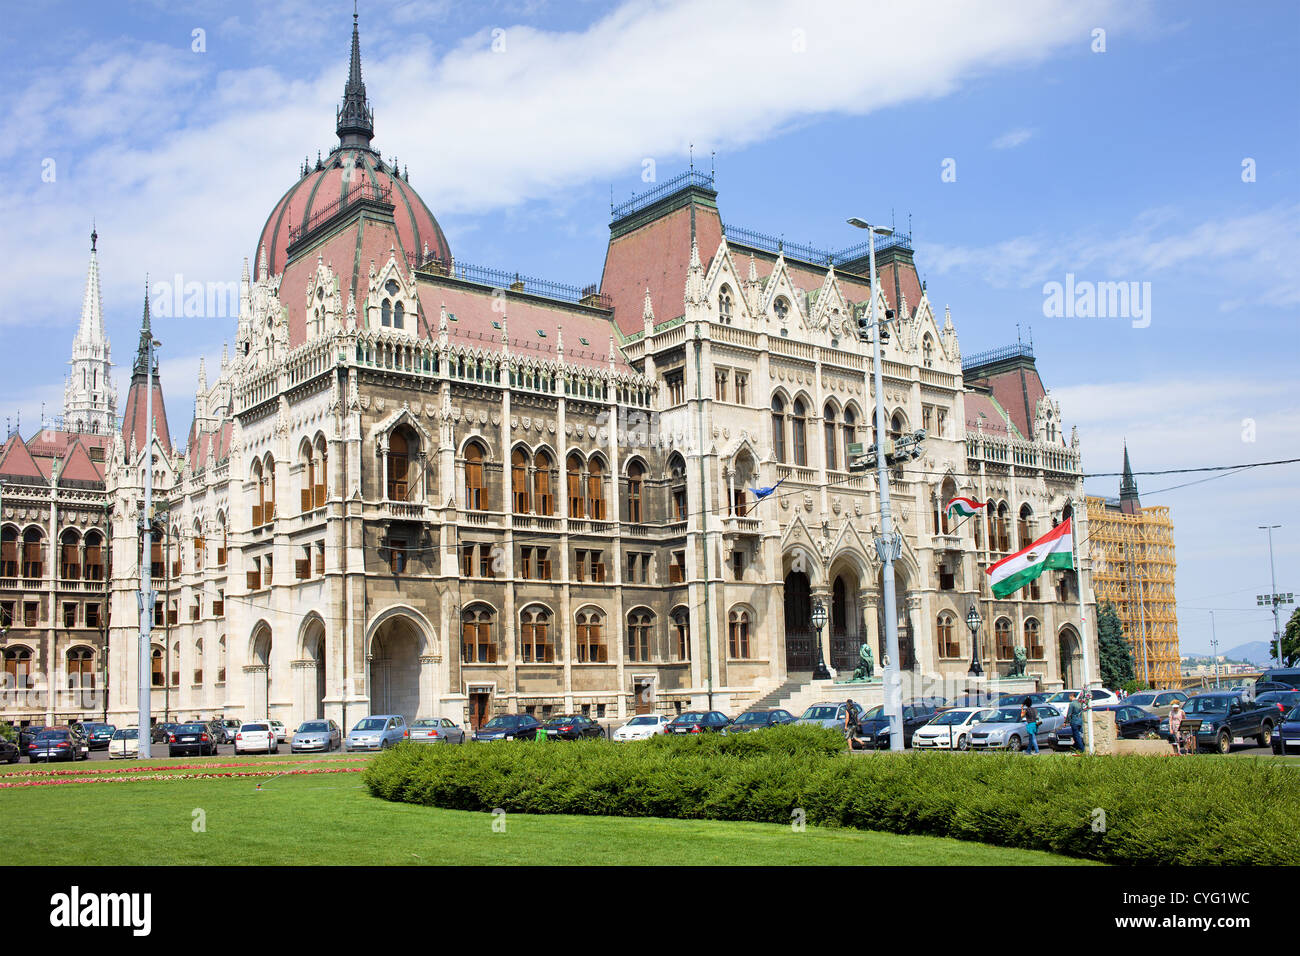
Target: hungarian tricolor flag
x=963 y=507
x=1052 y=550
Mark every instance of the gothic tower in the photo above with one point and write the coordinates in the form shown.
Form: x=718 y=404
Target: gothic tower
x=89 y=396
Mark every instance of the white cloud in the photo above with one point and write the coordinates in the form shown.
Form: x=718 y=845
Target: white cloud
x=1012 y=139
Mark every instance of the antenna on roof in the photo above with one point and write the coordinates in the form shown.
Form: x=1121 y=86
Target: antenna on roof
x=611 y=199
x=712 y=155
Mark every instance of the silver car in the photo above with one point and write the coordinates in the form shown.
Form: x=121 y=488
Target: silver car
x=436 y=730
x=378 y=732
x=824 y=715
x=313 y=735
x=1002 y=729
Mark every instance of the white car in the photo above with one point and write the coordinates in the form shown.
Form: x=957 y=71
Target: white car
x=1099 y=696
x=281 y=732
x=256 y=738
x=125 y=743
x=642 y=727
x=949 y=730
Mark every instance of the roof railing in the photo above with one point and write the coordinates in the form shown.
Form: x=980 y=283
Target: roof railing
x=808 y=253
x=511 y=281
x=1019 y=350
x=692 y=177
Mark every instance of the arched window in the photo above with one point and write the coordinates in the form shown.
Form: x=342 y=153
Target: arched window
x=70 y=565
x=638 y=635
x=590 y=645
x=386 y=313
x=1033 y=640
x=927 y=351
x=33 y=562
x=782 y=308
x=778 y=427
x=9 y=553
x=896 y=426
x=399 y=466
x=850 y=433
x=221 y=660
x=948 y=645
x=738 y=634
x=1004 y=528
x=477 y=646
x=476 y=498
x=575 y=486
x=94 y=556
x=399 y=311
x=319 y=484
x=519 y=481
x=677 y=487
x=1024 y=531
x=595 y=491
x=635 y=476
x=535 y=645
x=543 y=503
x=798 y=432
x=832 y=455
x=724 y=305
x=268 y=490
x=81 y=670
x=157 y=678
x=681 y=635
x=18 y=668
x=200 y=547
x=1002 y=639
x=991 y=520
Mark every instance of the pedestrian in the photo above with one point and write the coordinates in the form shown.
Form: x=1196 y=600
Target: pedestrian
x=1079 y=715
x=1176 y=716
x=851 y=724
x=1030 y=716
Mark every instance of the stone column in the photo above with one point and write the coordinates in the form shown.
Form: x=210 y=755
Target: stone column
x=869 y=601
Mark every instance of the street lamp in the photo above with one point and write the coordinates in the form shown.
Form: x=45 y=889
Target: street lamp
x=1277 y=636
x=973 y=621
x=887 y=546
x=818 y=622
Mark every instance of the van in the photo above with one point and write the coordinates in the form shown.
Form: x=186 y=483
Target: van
x=1279 y=675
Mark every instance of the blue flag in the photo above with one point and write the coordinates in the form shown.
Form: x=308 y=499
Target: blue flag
x=761 y=493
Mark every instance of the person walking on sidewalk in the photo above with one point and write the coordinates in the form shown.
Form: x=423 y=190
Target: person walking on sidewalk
x=1030 y=716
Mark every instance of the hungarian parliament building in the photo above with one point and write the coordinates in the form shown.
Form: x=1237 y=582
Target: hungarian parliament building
x=426 y=487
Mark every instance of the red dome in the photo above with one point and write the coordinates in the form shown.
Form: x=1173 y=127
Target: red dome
x=346 y=172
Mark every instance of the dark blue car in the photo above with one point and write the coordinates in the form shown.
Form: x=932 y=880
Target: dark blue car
x=1286 y=739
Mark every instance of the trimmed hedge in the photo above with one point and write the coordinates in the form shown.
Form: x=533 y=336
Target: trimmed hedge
x=1156 y=811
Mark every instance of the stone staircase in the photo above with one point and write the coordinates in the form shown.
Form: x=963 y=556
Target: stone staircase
x=794 y=682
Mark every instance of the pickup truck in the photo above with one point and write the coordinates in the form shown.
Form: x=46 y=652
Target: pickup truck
x=1227 y=716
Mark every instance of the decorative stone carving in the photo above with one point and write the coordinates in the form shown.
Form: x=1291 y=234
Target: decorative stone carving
x=857 y=507
x=807 y=501
x=514 y=423
x=496 y=419
x=415 y=408
x=836 y=505
x=483 y=417
x=526 y=423
x=364 y=402
x=550 y=426
x=591 y=431
x=379 y=403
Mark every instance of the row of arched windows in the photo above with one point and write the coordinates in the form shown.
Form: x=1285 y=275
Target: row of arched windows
x=539 y=642
x=80 y=557
x=947 y=637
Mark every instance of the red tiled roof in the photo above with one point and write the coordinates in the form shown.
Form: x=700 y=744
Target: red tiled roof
x=980 y=406
x=16 y=460
x=136 y=425
x=656 y=256
x=1018 y=390
x=77 y=466
x=523 y=319
x=316 y=191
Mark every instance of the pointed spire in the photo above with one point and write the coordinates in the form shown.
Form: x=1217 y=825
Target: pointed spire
x=1128 y=489
x=140 y=370
x=91 y=331
x=261 y=264
x=354 y=120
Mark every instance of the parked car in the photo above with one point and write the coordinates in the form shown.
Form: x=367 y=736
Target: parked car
x=949 y=730
x=58 y=743
x=758 y=720
x=1099 y=695
x=313 y=735
x=436 y=730
x=256 y=738
x=698 y=722
x=232 y=727
x=1227 y=716
x=218 y=731
x=824 y=715
x=1287 y=737
x=980 y=698
x=875 y=724
x=643 y=727
x=1131 y=722
x=1283 y=700
x=1280 y=675
x=378 y=732
x=192 y=738
x=9 y=752
x=125 y=743
x=1002 y=728
x=281 y=732
x=27 y=734
x=98 y=735
x=1158 y=702
x=573 y=727
x=509 y=727
x=1015 y=700
x=162 y=732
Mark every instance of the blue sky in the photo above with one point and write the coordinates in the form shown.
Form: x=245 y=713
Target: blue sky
x=1117 y=165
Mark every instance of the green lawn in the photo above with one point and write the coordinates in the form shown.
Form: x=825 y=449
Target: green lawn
x=331 y=819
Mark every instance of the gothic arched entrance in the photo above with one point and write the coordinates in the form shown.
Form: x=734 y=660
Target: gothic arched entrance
x=395 y=669
x=314 y=652
x=1070 y=657
x=800 y=647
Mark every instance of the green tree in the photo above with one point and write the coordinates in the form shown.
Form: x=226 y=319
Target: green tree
x=1291 y=640
x=1116 y=655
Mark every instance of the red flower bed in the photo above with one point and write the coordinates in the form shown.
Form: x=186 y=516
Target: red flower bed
x=177 y=776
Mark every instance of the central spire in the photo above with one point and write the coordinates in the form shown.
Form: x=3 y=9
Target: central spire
x=354 y=120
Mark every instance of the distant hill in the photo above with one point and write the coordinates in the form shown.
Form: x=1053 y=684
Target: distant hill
x=1256 y=652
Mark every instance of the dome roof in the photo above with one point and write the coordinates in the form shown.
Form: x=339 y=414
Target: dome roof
x=347 y=173
x=353 y=172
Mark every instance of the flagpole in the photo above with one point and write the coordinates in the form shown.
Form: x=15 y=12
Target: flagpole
x=1083 y=623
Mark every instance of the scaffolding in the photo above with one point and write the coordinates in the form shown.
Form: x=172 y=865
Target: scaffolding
x=1133 y=568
